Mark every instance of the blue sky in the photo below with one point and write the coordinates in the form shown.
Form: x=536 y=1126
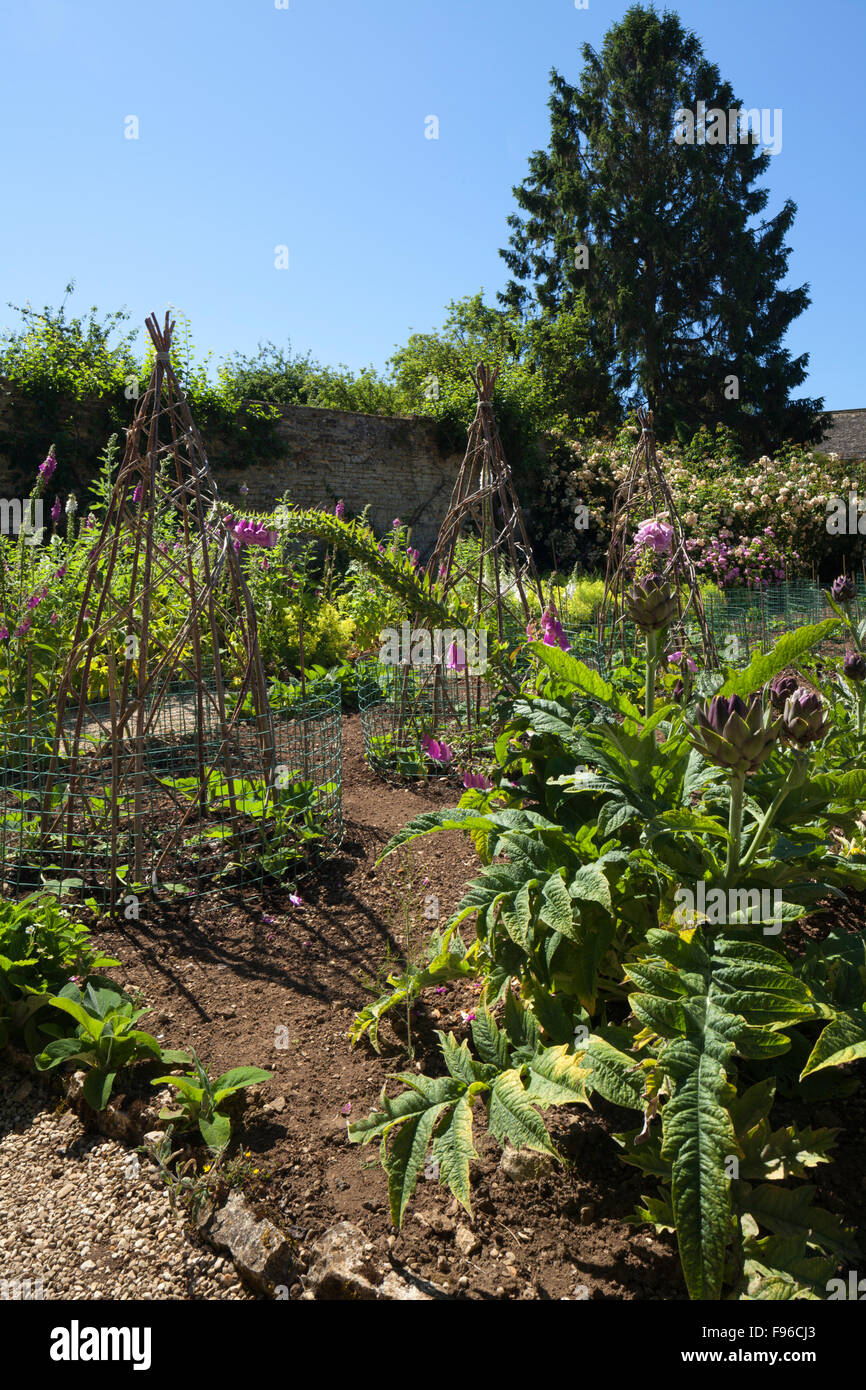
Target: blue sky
x=305 y=127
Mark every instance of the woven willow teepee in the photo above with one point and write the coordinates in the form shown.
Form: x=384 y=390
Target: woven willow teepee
x=645 y=493
x=484 y=505
x=164 y=487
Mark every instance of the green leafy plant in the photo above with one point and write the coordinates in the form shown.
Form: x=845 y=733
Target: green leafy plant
x=41 y=947
x=202 y=1101
x=105 y=1040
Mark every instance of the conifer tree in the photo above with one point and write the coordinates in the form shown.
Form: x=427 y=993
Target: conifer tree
x=664 y=239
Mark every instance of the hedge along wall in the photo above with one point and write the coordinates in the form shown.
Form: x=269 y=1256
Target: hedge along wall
x=394 y=463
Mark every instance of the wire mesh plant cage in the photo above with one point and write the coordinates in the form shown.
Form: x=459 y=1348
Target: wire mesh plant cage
x=180 y=810
x=401 y=704
x=164 y=763
x=482 y=557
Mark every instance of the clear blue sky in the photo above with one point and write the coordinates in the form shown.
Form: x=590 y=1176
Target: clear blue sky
x=305 y=127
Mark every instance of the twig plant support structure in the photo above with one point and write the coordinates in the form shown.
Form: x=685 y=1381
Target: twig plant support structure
x=498 y=571
x=645 y=493
x=164 y=482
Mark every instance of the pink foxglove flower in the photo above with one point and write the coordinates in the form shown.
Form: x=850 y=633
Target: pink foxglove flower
x=48 y=466
x=4 y=634
x=656 y=535
x=476 y=781
x=677 y=659
x=137 y=491
x=56 y=510
x=438 y=752
x=340 y=509
x=455 y=658
x=296 y=900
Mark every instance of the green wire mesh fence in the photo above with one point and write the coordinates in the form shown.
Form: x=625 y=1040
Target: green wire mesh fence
x=196 y=813
x=401 y=704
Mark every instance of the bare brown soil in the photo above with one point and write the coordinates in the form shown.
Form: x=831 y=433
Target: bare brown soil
x=239 y=976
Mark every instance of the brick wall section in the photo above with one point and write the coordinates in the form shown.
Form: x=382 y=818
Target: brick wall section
x=846 y=435
x=391 y=462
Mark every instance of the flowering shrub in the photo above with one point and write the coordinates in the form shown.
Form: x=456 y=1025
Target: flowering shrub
x=730 y=510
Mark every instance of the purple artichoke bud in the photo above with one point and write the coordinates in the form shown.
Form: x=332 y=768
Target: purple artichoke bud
x=679 y=690
x=843 y=589
x=854 y=666
x=804 y=720
x=780 y=690
x=733 y=734
x=650 y=603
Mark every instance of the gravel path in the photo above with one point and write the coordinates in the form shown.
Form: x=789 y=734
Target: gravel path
x=84 y=1217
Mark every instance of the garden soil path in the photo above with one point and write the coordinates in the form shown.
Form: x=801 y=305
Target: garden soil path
x=239 y=978
x=252 y=979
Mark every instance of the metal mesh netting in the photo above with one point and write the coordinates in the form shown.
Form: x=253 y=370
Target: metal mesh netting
x=400 y=704
x=199 y=811
x=743 y=623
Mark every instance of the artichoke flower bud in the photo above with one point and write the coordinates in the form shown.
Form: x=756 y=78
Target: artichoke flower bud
x=733 y=734
x=854 y=666
x=804 y=720
x=843 y=589
x=780 y=690
x=650 y=603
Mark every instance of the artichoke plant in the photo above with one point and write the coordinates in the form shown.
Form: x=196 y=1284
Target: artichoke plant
x=650 y=603
x=854 y=666
x=804 y=720
x=733 y=734
x=780 y=690
x=843 y=589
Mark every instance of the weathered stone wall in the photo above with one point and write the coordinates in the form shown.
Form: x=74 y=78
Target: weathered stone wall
x=392 y=463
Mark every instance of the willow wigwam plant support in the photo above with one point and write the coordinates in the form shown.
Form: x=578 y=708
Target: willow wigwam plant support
x=163 y=480
x=645 y=494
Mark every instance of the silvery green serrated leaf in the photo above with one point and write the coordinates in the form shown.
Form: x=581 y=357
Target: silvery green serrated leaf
x=513 y=1118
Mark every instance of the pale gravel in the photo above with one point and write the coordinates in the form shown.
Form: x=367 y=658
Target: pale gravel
x=88 y=1217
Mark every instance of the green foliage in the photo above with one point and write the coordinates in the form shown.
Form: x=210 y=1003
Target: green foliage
x=447 y=959
x=602 y=823
x=105 y=1038
x=660 y=220
x=202 y=1101
x=40 y=948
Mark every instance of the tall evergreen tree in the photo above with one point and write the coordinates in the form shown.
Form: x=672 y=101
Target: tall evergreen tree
x=663 y=238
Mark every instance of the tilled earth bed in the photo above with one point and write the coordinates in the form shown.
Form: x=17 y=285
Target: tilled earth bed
x=251 y=979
